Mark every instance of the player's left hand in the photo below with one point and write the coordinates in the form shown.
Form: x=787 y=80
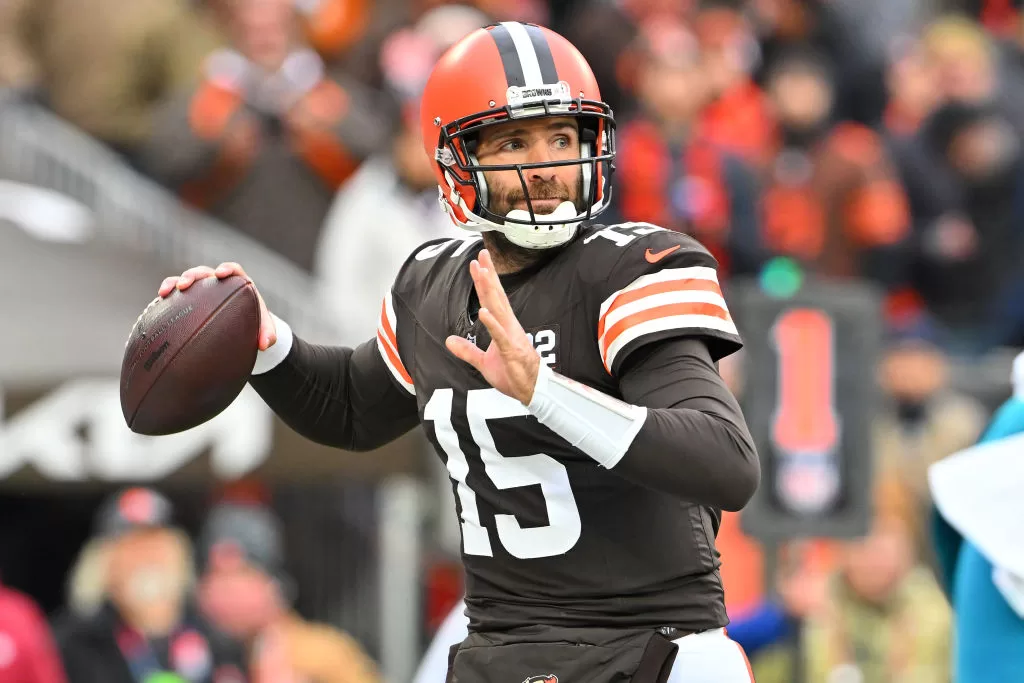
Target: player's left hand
x=510 y=364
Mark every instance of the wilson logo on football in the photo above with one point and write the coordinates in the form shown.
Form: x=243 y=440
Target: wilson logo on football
x=547 y=678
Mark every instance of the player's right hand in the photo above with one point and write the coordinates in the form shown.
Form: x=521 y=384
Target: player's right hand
x=268 y=333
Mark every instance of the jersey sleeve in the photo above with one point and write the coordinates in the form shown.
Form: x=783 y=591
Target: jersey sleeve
x=397 y=324
x=663 y=285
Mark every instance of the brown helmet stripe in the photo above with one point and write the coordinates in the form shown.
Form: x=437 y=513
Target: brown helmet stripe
x=509 y=55
x=525 y=54
x=548 y=72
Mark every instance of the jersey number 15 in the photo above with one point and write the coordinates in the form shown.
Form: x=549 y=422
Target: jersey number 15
x=564 y=527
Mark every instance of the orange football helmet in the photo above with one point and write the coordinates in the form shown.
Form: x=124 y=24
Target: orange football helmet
x=514 y=71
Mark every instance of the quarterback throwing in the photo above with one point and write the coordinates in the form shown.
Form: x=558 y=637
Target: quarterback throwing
x=564 y=372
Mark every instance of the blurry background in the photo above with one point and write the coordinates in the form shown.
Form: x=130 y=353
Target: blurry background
x=855 y=165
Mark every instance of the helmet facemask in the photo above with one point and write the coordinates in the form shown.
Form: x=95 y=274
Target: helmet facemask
x=528 y=227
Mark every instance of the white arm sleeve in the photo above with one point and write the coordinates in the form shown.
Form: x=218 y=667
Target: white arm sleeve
x=599 y=425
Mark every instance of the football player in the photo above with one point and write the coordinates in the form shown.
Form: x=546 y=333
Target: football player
x=565 y=372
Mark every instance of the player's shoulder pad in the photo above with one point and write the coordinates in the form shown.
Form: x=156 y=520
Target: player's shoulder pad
x=615 y=255
x=646 y=284
x=423 y=280
x=432 y=262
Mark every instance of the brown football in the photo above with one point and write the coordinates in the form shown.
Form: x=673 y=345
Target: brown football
x=189 y=355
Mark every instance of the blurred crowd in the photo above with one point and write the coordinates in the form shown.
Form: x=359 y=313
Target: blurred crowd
x=873 y=141
x=147 y=604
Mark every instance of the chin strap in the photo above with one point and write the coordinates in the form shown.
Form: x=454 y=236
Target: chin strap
x=533 y=236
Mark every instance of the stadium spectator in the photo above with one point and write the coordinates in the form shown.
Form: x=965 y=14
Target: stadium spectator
x=667 y=173
x=106 y=77
x=913 y=87
x=27 y=650
x=970 y=277
x=738 y=116
x=914 y=90
x=390 y=206
x=266 y=138
x=828 y=31
x=332 y=27
x=969 y=68
x=832 y=199
x=245 y=591
x=143 y=624
x=921 y=420
x=885 y=618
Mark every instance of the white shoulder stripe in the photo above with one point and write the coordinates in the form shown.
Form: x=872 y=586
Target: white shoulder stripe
x=663 y=299
x=382 y=347
x=666 y=275
x=384 y=338
x=663 y=324
x=389 y=307
x=387 y=344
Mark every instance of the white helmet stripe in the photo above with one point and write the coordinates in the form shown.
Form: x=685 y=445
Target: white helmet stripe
x=527 y=55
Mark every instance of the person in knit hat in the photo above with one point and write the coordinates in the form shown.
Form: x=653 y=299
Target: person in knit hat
x=140 y=626
x=245 y=590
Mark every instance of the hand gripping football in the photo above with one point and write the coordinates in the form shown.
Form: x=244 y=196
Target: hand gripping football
x=189 y=355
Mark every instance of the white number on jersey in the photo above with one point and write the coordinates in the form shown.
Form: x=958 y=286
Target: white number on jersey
x=544 y=341
x=624 y=233
x=435 y=249
x=564 y=528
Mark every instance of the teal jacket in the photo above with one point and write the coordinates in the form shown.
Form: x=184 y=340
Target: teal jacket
x=989 y=635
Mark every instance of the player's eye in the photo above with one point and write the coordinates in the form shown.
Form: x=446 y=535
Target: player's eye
x=563 y=142
x=513 y=145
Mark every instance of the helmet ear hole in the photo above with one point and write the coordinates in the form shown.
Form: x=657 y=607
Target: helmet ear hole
x=586 y=169
x=588 y=136
x=481 y=183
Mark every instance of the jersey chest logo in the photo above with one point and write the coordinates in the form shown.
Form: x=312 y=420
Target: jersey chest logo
x=546 y=678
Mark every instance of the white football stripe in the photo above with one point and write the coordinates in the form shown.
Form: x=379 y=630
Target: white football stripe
x=387 y=361
x=383 y=338
x=389 y=309
x=675 y=322
x=384 y=335
x=663 y=299
x=527 y=55
x=666 y=275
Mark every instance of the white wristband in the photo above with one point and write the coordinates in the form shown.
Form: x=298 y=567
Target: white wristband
x=275 y=355
x=599 y=425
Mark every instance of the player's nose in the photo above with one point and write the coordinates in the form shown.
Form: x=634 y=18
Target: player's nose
x=542 y=173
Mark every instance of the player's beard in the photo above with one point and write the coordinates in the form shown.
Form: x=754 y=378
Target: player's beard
x=509 y=257
x=512 y=258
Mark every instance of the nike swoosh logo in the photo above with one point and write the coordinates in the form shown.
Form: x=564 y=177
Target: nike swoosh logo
x=653 y=257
